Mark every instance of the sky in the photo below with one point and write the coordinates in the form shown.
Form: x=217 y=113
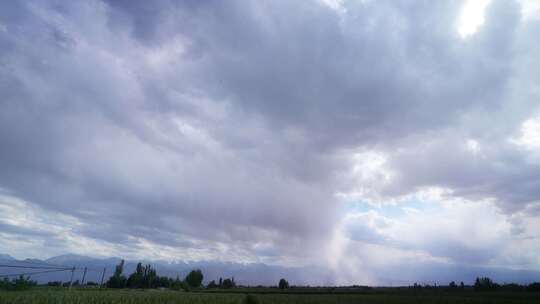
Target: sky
x=364 y=136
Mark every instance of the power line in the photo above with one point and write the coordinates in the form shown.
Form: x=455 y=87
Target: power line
x=31 y=262
x=46 y=267
x=32 y=267
x=30 y=273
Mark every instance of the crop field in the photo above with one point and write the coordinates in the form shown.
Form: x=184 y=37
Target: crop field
x=116 y=297
x=49 y=296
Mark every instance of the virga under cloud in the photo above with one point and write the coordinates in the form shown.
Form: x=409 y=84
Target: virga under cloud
x=265 y=131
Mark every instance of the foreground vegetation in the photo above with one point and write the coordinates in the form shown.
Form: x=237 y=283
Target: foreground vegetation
x=375 y=296
x=144 y=286
x=50 y=295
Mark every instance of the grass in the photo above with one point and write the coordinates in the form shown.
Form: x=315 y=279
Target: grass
x=50 y=296
x=80 y=296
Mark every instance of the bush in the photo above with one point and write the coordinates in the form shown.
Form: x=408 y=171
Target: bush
x=185 y=286
x=228 y=283
x=512 y=287
x=534 y=286
x=20 y=283
x=212 y=284
x=194 y=278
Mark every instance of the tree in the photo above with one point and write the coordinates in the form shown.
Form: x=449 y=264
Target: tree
x=164 y=282
x=135 y=280
x=485 y=284
x=150 y=277
x=117 y=280
x=194 y=278
x=212 y=284
x=146 y=277
x=283 y=284
x=119 y=268
x=228 y=283
x=452 y=284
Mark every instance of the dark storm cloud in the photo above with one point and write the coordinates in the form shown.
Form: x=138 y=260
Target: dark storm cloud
x=59 y=120
x=232 y=122
x=344 y=81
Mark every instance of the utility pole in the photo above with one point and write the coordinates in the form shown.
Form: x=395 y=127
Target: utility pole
x=71 y=280
x=102 y=276
x=83 y=277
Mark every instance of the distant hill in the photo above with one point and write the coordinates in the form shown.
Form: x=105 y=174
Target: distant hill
x=6 y=257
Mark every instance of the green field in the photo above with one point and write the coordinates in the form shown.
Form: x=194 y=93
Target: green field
x=50 y=296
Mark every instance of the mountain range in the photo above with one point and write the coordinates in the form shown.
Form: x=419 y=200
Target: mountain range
x=253 y=274
x=244 y=273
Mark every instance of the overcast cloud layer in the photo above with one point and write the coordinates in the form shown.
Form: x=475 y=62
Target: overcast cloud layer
x=361 y=135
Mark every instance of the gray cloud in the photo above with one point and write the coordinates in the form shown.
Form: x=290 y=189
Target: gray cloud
x=203 y=125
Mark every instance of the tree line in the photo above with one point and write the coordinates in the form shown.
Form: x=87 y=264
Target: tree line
x=19 y=283
x=482 y=284
x=146 y=277
x=486 y=284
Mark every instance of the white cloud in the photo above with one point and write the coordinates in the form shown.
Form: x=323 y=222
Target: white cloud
x=457 y=230
x=530 y=9
x=473 y=146
x=368 y=172
x=471 y=17
x=336 y=5
x=530 y=134
x=445 y=232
